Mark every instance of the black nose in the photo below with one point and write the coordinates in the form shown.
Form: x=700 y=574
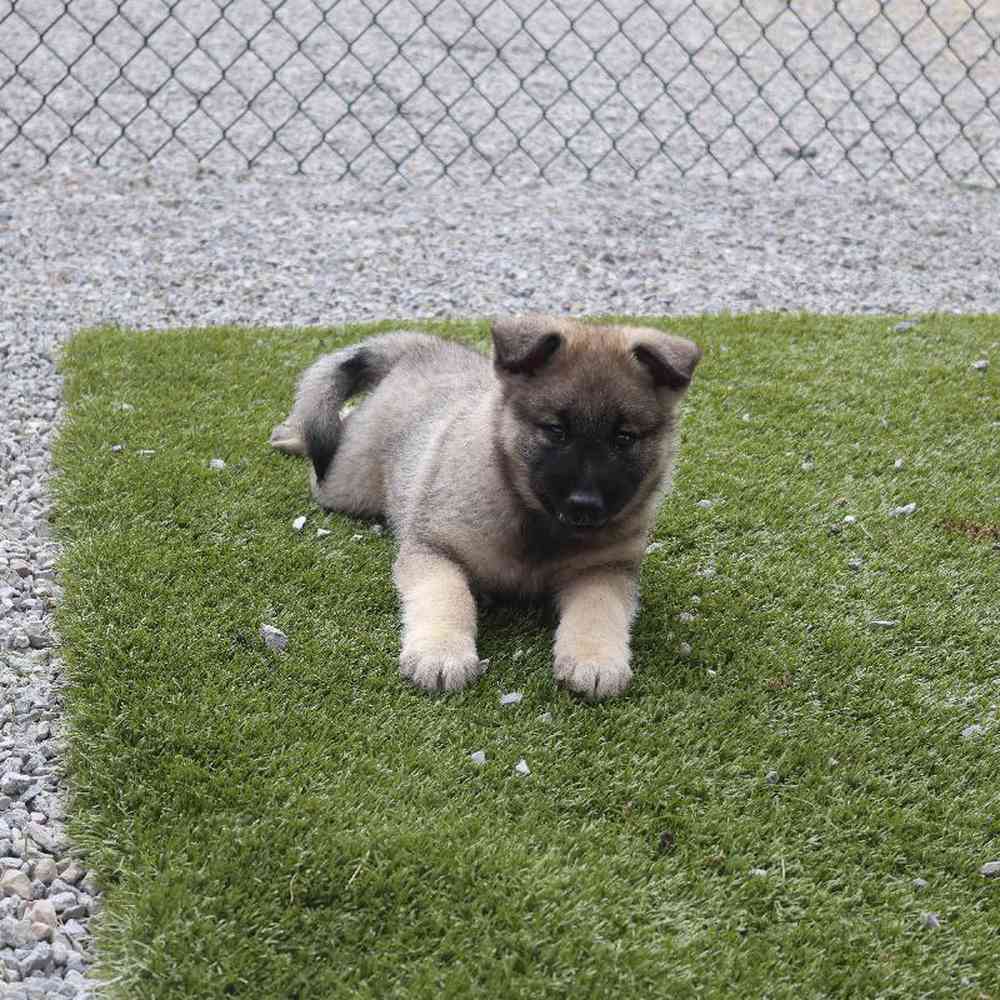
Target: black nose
x=585 y=508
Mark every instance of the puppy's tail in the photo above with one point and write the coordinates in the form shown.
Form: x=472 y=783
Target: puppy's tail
x=313 y=426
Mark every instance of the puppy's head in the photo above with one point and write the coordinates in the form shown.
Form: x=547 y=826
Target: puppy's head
x=586 y=430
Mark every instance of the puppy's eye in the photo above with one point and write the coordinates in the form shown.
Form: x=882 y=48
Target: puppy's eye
x=625 y=439
x=556 y=433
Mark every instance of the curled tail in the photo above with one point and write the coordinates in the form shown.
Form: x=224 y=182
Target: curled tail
x=313 y=426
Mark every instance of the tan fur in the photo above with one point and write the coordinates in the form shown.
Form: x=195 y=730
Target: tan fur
x=448 y=449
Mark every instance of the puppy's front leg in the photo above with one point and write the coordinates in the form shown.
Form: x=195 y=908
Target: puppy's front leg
x=439 y=621
x=592 y=640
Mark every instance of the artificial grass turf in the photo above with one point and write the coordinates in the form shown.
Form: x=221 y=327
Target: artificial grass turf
x=304 y=825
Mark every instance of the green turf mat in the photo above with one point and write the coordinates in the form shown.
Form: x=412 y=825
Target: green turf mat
x=748 y=820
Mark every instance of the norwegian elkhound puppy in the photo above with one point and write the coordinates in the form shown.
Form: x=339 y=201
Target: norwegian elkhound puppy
x=536 y=474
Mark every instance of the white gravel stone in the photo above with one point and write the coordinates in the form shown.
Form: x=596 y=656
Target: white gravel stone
x=40 y=931
x=274 y=638
x=15 y=883
x=42 y=911
x=521 y=768
x=991 y=869
x=216 y=463
x=45 y=870
x=511 y=698
x=72 y=873
x=299 y=523
x=931 y=921
x=971 y=732
x=981 y=365
x=904 y=511
x=478 y=757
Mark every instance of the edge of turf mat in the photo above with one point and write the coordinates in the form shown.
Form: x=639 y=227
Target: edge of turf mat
x=303 y=825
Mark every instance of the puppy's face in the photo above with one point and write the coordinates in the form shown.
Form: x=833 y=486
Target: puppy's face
x=589 y=415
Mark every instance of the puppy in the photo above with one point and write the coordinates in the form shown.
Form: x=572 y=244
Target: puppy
x=536 y=472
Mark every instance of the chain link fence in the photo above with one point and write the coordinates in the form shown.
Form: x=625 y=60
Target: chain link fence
x=476 y=90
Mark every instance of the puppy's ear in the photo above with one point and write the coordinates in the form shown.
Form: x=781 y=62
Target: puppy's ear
x=523 y=345
x=670 y=360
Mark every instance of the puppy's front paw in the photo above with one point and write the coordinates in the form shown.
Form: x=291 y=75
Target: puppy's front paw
x=441 y=671
x=595 y=681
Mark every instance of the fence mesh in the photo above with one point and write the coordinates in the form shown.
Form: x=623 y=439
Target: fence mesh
x=508 y=89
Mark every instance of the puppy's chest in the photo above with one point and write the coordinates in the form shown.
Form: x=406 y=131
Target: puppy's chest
x=531 y=564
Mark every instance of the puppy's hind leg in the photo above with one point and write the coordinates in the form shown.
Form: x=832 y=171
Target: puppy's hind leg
x=288 y=437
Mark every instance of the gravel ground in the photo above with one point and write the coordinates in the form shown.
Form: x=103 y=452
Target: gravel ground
x=172 y=245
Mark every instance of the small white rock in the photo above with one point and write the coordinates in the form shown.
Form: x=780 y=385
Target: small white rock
x=712 y=673
x=684 y=649
x=478 y=757
x=807 y=466
x=43 y=912
x=117 y=448
x=758 y=873
x=907 y=324
x=323 y=532
x=45 y=870
x=217 y=463
x=931 y=921
x=687 y=616
x=898 y=464
x=545 y=717
x=991 y=869
x=378 y=529
x=299 y=523
x=981 y=365
x=41 y=932
x=15 y=883
x=920 y=884
x=274 y=638
x=146 y=452
x=517 y=654
x=745 y=418
x=850 y=519
x=905 y=511
x=654 y=547
x=704 y=504
x=511 y=698
x=972 y=731
x=521 y=767
x=884 y=623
